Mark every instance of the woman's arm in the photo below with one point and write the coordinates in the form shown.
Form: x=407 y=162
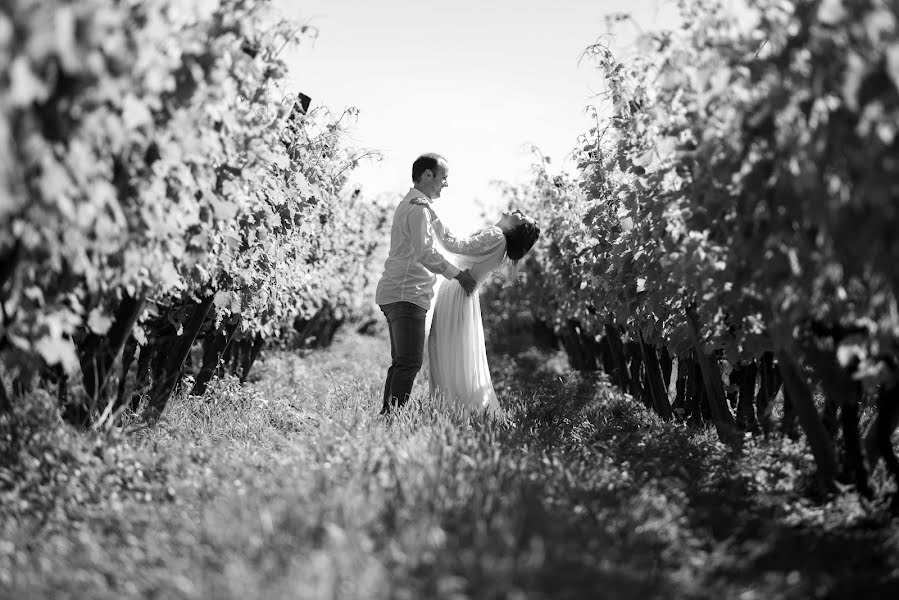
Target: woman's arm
x=429 y=257
x=478 y=244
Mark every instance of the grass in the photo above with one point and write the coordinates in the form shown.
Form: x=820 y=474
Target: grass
x=292 y=487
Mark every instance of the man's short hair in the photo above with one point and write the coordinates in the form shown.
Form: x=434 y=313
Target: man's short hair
x=424 y=163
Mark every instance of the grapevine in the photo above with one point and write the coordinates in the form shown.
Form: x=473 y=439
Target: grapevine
x=734 y=213
x=147 y=198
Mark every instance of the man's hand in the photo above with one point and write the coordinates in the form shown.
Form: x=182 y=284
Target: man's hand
x=466 y=281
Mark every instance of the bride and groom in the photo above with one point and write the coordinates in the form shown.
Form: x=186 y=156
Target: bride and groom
x=421 y=247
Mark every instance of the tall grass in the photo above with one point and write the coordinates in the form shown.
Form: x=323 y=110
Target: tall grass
x=293 y=487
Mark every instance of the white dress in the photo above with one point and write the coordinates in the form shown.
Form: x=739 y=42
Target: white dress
x=456 y=351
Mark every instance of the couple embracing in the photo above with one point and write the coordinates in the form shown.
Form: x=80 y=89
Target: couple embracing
x=421 y=247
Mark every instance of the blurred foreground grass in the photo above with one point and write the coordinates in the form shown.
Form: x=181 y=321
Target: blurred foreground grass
x=292 y=487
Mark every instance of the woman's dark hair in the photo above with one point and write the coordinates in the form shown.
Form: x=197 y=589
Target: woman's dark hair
x=429 y=161
x=520 y=239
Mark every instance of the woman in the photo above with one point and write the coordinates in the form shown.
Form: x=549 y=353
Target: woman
x=456 y=350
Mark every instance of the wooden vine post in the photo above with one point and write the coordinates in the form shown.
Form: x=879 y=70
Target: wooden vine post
x=620 y=375
x=128 y=354
x=745 y=376
x=883 y=427
x=878 y=443
x=769 y=384
x=8 y=263
x=657 y=389
x=252 y=349
x=99 y=352
x=172 y=361
x=711 y=377
x=694 y=393
x=214 y=346
x=842 y=391
x=5 y=403
x=804 y=405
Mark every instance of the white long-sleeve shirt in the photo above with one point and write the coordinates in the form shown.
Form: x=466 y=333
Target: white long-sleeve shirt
x=411 y=265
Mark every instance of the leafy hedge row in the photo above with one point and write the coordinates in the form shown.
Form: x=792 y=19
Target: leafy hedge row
x=147 y=200
x=737 y=210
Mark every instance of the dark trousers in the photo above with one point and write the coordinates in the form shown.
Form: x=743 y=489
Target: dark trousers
x=406 y=323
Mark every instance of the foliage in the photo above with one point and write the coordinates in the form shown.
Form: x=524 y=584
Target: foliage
x=737 y=203
x=744 y=171
x=140 y=166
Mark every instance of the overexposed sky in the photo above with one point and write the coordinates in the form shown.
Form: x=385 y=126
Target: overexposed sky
x=477 y=81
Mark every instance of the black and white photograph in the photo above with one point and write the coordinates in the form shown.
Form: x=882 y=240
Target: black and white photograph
x=449 y=300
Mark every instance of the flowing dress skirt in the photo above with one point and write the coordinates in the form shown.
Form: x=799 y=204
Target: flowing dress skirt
x=457 y=354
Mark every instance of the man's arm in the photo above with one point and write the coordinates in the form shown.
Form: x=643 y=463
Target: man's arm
x=422 y=239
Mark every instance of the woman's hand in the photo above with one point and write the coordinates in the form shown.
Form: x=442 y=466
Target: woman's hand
x=422 y=202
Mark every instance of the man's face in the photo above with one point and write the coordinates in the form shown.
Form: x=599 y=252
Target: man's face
x=439 y=179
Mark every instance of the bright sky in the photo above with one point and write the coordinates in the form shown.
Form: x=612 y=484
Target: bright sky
x=475 y=80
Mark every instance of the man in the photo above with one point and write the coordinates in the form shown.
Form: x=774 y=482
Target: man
x=407 y=285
